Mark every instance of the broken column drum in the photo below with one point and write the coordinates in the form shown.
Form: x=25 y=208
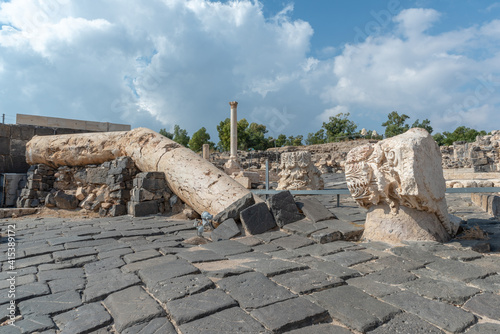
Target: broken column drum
x=400 y=181
x=195 y=180
x=298 y=172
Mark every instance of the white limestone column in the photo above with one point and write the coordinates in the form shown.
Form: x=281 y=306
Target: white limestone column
x=234 y=130
x=206 y=151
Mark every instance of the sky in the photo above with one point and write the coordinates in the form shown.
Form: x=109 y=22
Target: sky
x=290 y=64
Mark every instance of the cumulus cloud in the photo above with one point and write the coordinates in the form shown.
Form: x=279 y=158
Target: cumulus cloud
x=159 y=63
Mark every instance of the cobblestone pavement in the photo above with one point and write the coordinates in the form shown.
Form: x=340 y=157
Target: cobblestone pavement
x=136 y=275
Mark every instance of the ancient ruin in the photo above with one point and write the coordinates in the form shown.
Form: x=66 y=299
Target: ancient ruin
x=400 y=181
x=298 y=172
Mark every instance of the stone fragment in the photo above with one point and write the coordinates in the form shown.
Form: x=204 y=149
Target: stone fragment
x=307 y=281
x=103 y=265
x=482 y=328
x=141 y=209
x=371 y=287
x=66 y=284
x=407 y=323
x=197 y=256
x=298 y=172
x=225 y=231
x=349 y=258
x=313 y=209
x=234 y=210
x=485 y=305
x=34 y=324
x=392 y=276
x=132 y=306
x=104 y=283
x=272 y=267
x=155 y=326
x=157 y=261
x=118 y=210
x=152 y=275
x=140 y=256
x=400 y=181
x=179 y=287
x=459 y=271
x=227 y=247
x=292 y=242
x=65 y=201
x=84 y=319
x=282 y=206
x=199 y=305
x=290 y=314
x=257 y=219
x=24 y=292
x=80 y=193
x=455 y=292
x=50 y=304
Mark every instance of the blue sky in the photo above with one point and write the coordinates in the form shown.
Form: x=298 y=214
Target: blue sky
x=290 y=65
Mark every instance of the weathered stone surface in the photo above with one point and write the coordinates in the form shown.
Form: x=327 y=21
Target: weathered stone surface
x=152 y=275
x=196 y=256
x=103 y=283
x=459 y=271
x=330 y=268
x=355 y=308
x=307 y=281
x=392 y=276
x=65 y=201
x=225 y=231
x=25 y=292
x=443 y=315
x=371 y=287
x=140 y=256
x=50 y=304
x=290 y=314
x=485 y=305
x=452 y=292
x=489 y=328
x=234 y=209
x=298 y=172
x=33 y=323
x=321 y=329
x=199 y=305
x=489 y=284
x=407 y=323
x=221 y=269
x=257 y=219
x=313 y=209
x=155 y=326
x=103 y=265
x=65 y=284
x=227 y=247
x=141 y=209
x=232 y=320
x=179 y=287
x=349 y=258
x=282 y=206
x=292 y=242
x=254 y=290
x=157 y=261
x=272 y=267
x=84 y=319
x=304 y=227
x=131 y=306
x=401 y=174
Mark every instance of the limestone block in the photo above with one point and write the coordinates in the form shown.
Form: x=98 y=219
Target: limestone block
x=244 y=181
x=403 y=173
x=80 y=193
x=298 y=172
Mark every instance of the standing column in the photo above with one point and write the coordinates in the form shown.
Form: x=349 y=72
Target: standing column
x=234 y=130
x=206 y=151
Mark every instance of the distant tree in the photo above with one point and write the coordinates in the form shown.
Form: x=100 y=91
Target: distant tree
x=439 y=138
x=199 y=138
x=426 y=124
x=256 y=137
x=461 y=133
x=166 y=133
x=339 y=127
x=294 y=141
x=316 y=138
x=242 y=134
x=281 y=140
x=249 y=135
x=181 y=136
x=395 y=124
x=224 y=130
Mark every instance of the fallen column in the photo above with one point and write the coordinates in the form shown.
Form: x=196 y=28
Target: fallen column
x=193 y=179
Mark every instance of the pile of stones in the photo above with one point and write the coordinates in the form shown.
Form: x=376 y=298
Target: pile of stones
x=113 y=188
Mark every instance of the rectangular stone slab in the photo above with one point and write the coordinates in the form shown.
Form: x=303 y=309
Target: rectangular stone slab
x=313 y=209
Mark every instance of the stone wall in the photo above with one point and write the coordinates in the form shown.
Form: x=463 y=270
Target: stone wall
x=13 y=139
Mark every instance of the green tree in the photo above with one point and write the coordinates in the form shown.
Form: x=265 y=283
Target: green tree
x=461 y=133
x=338 y=127
x=242 y=127
x=256 y=137
x=224 y=130
x=181 y=136
x=439 y=138
x=199 y=138
x=395 y=124
x=166 y=133
x=426 y=124
x=281 y=140
x=294 y=141
x=316 y=138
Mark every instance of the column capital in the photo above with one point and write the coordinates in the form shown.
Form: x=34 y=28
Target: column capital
x=233 y=104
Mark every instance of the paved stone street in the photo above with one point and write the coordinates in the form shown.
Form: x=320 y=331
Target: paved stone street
x=136 y=275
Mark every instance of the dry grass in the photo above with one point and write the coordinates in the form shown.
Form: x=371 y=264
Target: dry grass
x=474 y=233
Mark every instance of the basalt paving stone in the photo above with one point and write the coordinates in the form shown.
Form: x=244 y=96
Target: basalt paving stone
x=81 y=261
x=484 y=328
x=249 y=240
x=54 y=266
x=65 y=284
x=19 y=280
x=33 y=323
x=85 y=318
x=103 y=283
x=271 y=267
x=485 y=305
x=232 y=320
x=270 y=236
x=354 y=308
x=114 y=253
x=221 y=269
x=66 y=239
x=155 y=326
x=87 y=243
x=290 y=314
x=286 y=255
x=161 y=260
x=33 y=261
x=25 y=292
x=321 y=329
x=42 y=250
x=254 y=290
x=459 y=254
x=460 y=271
x=349 y=258
x=313 y=209
x=392 y=276
x=171 y=250
x=369 y=267
x=489 y=284
x=51 y=275
x=307 y=281
x=415 y=254
x=143 y=232
x=152 y=275
x=139 y=256
x=176 y=228
x=50 y=304
x=348 y=230
x=103 y=265
x=179 y=287
x=292 y=242
x=132 y=306
x=329 y=248
x=249 y=257
x=407 y=323
x=304 y=227
x=329 y=268
x=371 y=287
x=455 y=293
x=107 y=235
x=391 y=261
x=72 y=253
x=199 y=305
x=267 y=248
x=490 y=262
x=111 y=246
x=227 y=247
x=202 y=255
x=445 y=316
